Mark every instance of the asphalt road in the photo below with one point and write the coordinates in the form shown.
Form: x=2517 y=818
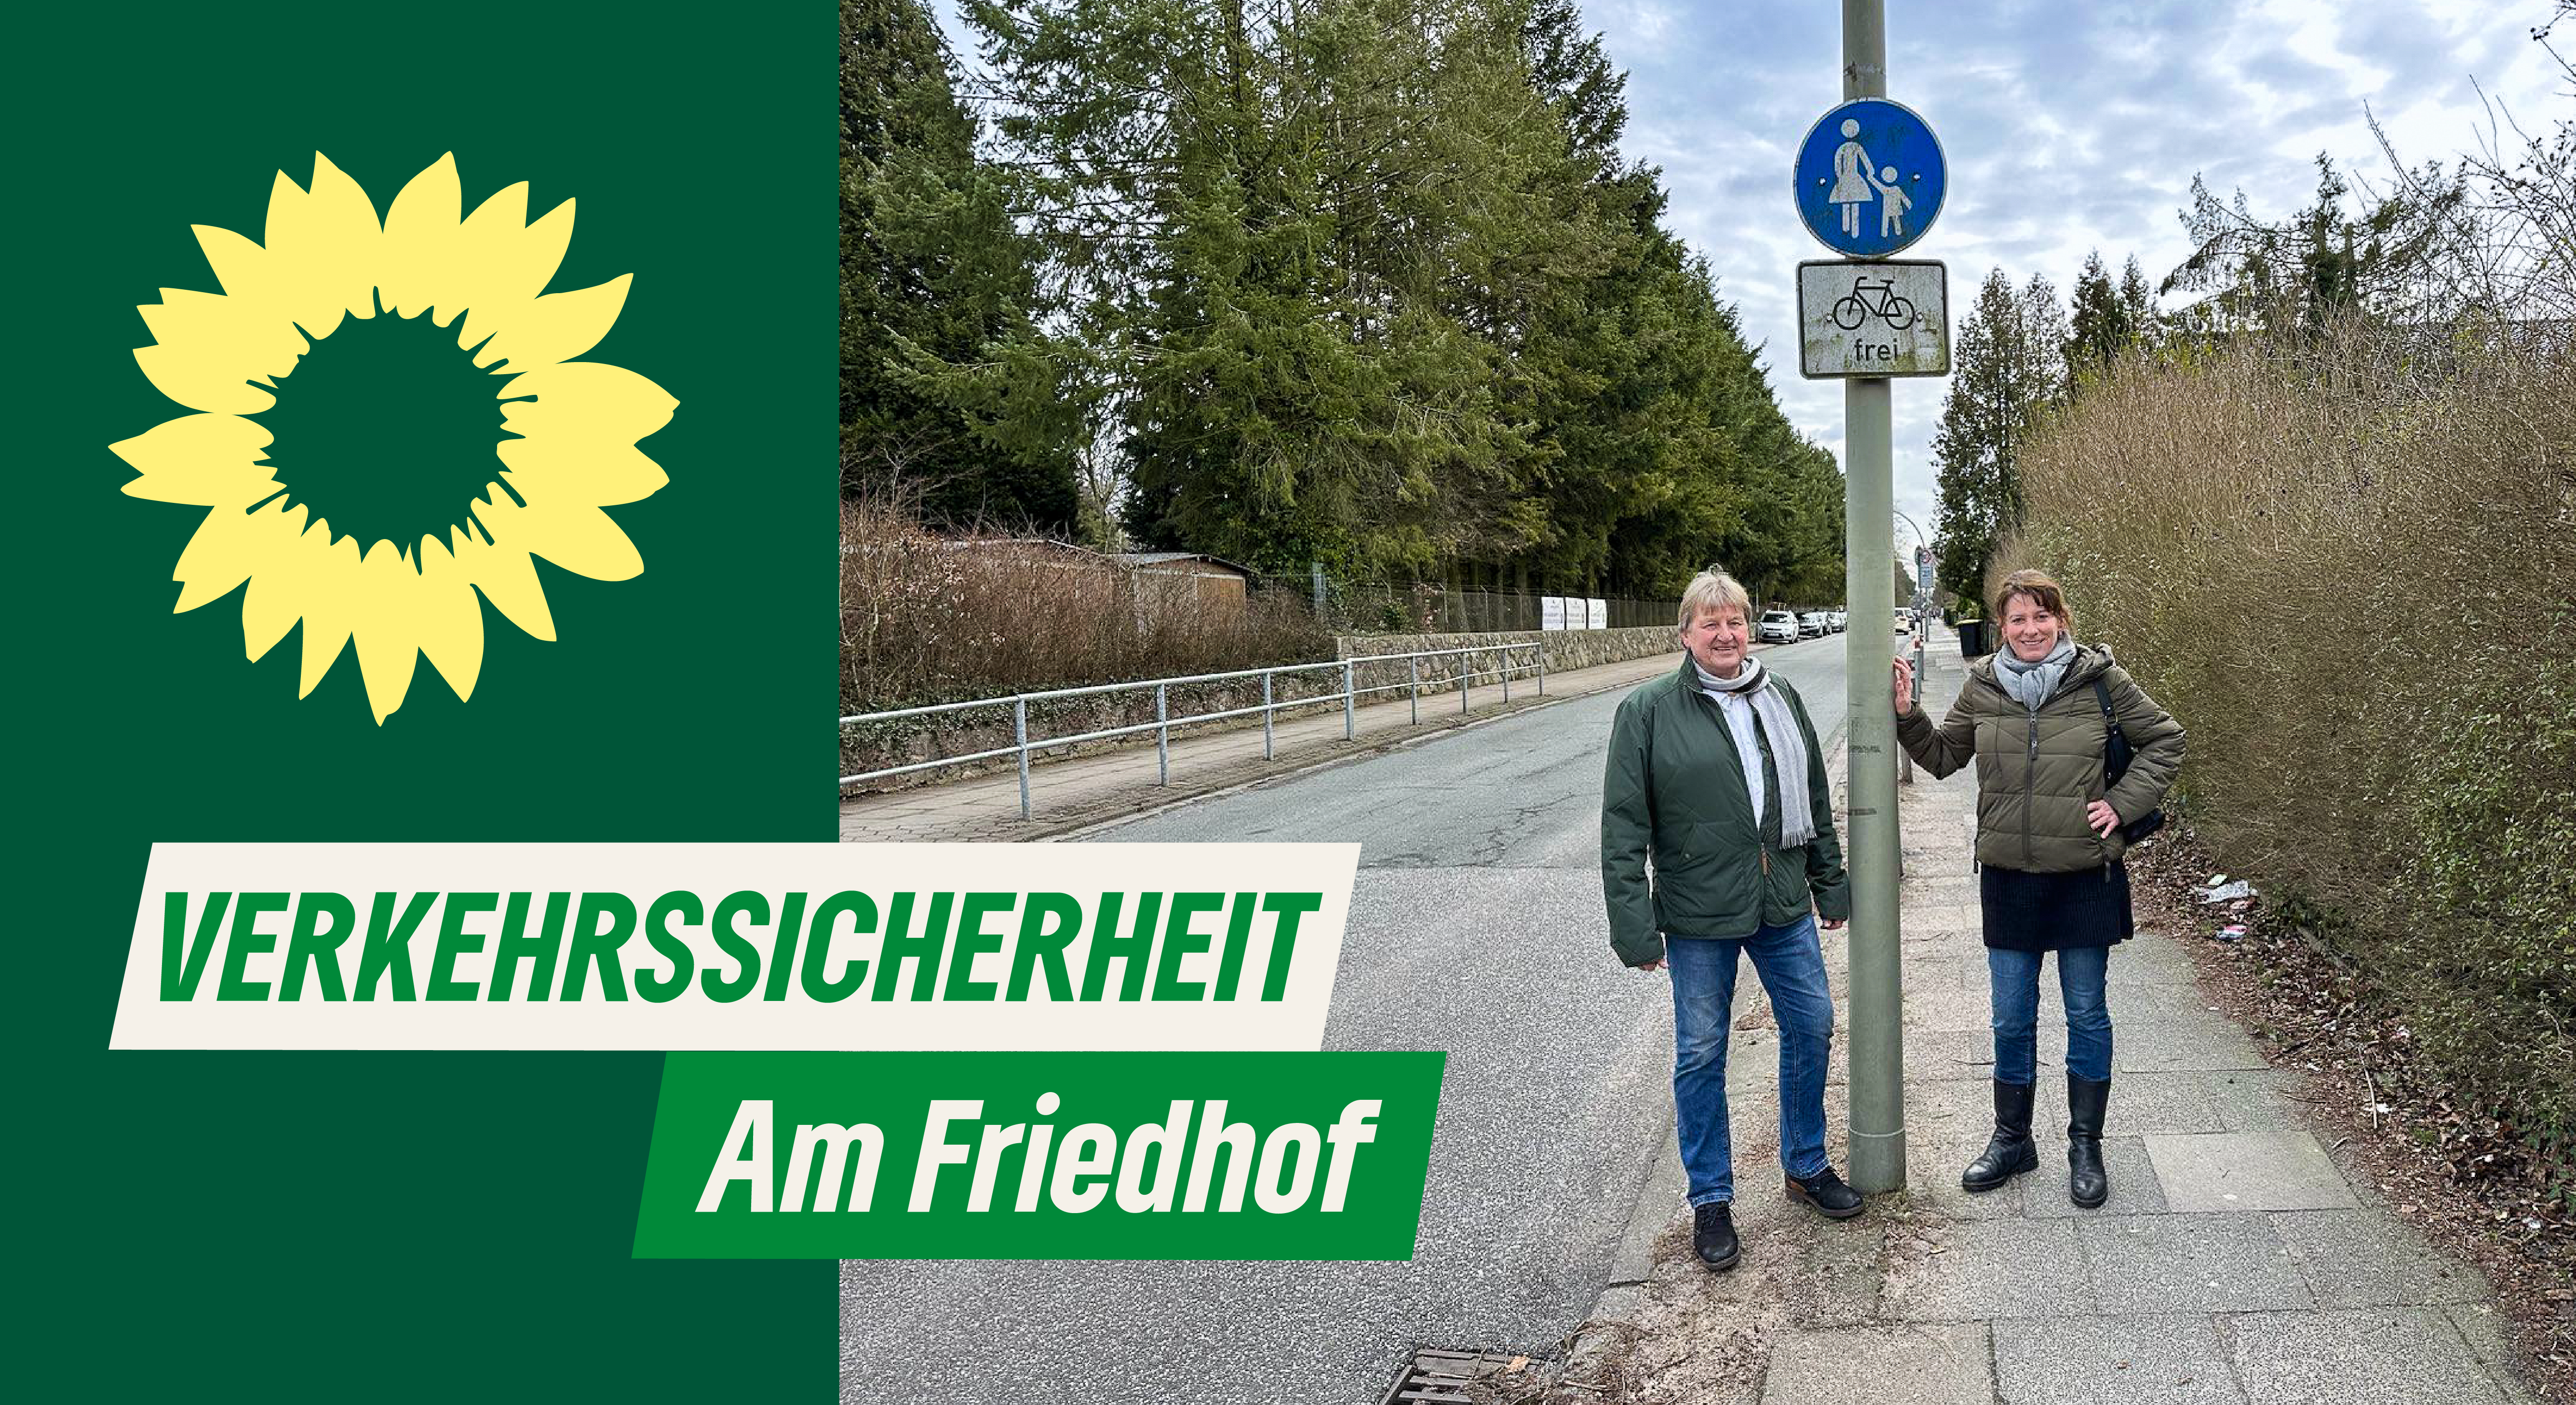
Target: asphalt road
x=1476 y=927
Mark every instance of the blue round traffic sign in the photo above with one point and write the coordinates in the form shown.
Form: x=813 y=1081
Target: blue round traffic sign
x=1869 y=178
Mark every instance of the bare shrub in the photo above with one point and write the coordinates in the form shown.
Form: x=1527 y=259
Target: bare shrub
x=931 y=618
x=2349 y=565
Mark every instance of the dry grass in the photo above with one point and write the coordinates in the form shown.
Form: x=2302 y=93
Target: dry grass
x=932 y=618
x=2349 y=566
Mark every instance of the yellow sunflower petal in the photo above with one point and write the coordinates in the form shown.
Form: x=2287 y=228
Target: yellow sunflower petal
x=322 y=245
x=556 y=327
x=387 y=627
x=241 y=267
x=580 y=429
x=418 y=269
x=603 y=475
x=568 y=532
x=295 y=580
x=228 y=546
x=508 y=579
x=584 y=400
x=208 y=347
x=451 y=619
x=506 y=261
x=330 y=599
x=205 y=460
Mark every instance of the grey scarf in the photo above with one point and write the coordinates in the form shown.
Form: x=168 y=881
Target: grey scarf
x=1788 y=745
x=2031 y=684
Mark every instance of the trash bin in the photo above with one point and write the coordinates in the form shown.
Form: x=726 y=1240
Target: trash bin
x=1972 y=639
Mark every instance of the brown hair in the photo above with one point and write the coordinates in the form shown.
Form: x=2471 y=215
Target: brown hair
x=2044 y=592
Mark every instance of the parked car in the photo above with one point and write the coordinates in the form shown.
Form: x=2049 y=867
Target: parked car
x=1811 y=625
x=1777 y=627
x=1841 y=619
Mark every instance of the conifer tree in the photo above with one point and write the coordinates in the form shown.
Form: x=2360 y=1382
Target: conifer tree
x=949 y=395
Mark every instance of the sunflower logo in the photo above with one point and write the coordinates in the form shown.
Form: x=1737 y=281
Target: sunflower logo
x=370 y=508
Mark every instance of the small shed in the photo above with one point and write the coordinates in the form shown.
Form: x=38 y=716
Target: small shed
x=1186 y=583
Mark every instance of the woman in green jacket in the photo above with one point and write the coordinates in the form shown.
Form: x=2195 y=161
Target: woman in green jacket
x=2036 y=718
x=1715 y=776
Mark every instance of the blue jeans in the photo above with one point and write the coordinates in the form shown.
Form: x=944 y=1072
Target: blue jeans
x=2081 y=971
x=1792 y=969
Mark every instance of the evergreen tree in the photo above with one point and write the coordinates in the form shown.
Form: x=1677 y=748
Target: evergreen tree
x=2320 y=264
x=2010 y=368
x=2138 y=306
x=949 y=395
x=2100 y=328
x=1367 y=282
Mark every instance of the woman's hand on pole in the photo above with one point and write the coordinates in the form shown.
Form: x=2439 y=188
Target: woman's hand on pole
x=1904 y=686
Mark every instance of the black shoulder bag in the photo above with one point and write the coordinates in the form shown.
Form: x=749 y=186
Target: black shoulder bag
x=2116 y=753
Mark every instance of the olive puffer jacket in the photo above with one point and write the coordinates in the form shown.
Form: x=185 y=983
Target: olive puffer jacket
x=2037 y=774
x=1674 y=788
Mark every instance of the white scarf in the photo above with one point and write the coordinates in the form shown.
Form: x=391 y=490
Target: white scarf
x=1788 y=744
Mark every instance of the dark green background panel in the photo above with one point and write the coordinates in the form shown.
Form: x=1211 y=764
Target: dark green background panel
x=403 y=1226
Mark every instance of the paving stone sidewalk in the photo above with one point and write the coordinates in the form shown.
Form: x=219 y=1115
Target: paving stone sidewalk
x=2237 y=1260
x=1077 y=792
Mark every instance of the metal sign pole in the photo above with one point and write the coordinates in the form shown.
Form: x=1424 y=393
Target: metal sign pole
x=1877 y=1068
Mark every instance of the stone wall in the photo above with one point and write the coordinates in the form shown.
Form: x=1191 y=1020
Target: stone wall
x=1567 y=649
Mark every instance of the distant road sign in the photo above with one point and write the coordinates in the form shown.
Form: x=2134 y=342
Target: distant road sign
x=1879 y=318
x=1869 y=178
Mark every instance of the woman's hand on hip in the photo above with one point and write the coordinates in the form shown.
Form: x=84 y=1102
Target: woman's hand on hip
x=1904 y=686
x=2102 y=817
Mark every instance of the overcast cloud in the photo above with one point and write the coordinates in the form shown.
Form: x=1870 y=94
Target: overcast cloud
x=2068 y=126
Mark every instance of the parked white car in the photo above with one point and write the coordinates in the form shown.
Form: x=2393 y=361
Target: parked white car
x=1841 y=619
x=1777 y=627
x=1812 y=625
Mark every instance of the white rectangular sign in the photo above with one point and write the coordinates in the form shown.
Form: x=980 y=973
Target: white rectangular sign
x=1879 y=318
x=1596 y=614
x=1551 y=612
x=736 y=946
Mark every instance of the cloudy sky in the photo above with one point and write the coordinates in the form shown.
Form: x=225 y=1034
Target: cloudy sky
x=2068 y=126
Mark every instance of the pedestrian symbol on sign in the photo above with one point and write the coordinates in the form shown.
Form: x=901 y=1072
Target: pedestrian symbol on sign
x=1869 y=156
x=1851 y=178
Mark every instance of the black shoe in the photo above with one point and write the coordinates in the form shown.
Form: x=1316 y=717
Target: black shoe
x=1827 y=1193
x=2087 y=1184
x=2012 y=1151
x=1713 y=1236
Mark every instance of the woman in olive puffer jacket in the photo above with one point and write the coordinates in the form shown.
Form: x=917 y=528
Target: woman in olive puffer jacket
x=2048 y=853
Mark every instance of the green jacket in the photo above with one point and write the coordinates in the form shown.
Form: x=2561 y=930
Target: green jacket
x=2036 y=775
x=1674 y=789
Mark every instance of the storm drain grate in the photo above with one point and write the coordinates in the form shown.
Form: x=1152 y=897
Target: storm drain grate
x=1436 y=1377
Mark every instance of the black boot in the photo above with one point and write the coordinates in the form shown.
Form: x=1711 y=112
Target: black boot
x=1713 y=1235
x=2087 y=1184
x=2012 y=1151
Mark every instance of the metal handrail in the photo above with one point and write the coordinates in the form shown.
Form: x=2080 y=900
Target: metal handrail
x=1022 y=744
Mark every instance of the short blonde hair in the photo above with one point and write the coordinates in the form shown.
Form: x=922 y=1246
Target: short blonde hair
x=2044 y=592
x=1713 y=589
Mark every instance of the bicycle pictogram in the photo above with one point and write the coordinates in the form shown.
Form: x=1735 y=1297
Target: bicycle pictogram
x=1852 y=309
